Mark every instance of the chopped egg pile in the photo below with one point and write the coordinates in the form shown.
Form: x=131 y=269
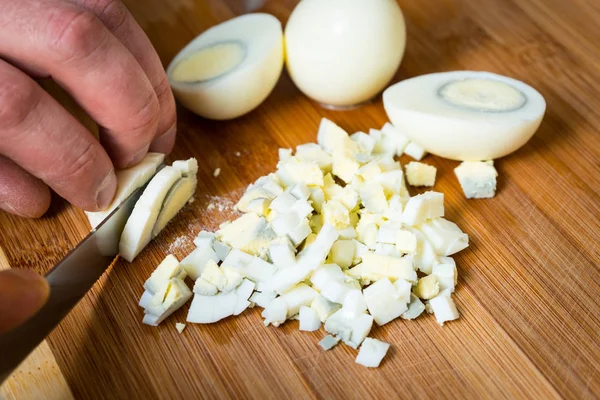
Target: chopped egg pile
x=332 y=239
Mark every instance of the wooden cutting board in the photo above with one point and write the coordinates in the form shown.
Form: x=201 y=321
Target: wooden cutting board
x=529 y=283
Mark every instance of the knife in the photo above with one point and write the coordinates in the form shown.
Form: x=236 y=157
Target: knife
x=69 y=281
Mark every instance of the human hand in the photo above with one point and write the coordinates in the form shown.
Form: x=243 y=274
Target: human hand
x=99 y=54
x=22 y=294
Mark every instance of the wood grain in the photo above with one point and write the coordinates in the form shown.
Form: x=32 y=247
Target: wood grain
x=529 y=283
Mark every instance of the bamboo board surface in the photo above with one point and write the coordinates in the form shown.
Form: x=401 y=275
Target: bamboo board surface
x=529 y=284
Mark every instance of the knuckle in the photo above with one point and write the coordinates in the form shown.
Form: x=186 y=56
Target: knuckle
x=77 y=171
x=114 y=13
x=146 y=118
x=17 y=98
x=163 y=89
x=76 y=34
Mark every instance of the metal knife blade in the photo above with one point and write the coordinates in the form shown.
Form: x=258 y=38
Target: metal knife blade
x=69 y=281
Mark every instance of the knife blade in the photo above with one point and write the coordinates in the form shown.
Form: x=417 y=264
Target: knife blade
x=69 y=281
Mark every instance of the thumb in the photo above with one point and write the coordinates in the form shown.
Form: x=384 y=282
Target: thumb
x=22 y=294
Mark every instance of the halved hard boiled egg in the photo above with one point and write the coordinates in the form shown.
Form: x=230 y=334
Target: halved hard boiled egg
x=229 y=69
x=465 y=115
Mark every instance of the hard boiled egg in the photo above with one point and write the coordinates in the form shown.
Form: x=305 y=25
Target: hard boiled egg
x=343 y=52
x=229 y=69
x=465 y=115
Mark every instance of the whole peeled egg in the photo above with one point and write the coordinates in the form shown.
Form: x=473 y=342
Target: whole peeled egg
x=344 y=52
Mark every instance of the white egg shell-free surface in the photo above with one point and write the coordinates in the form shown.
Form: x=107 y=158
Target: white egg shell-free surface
x=344 y=52
x=243 y=87
x=461 y=133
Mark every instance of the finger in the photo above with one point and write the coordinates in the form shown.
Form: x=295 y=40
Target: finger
x=40 y=136
x=22 y=294
x=84 y=57
x=20 y=192
x=123 y=26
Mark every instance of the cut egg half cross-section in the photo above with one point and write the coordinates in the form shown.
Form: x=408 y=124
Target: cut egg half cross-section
x=231 y=68
x=465 y=115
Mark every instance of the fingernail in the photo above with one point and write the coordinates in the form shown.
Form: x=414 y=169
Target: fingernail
x=165 y=143
x=106 y=191
x=11 y=210
x=138 y=157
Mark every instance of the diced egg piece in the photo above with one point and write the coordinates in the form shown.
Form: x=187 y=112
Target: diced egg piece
x=342 y=253
x=329 y=342
x=167 y=269
x=477 y=179
x=300 y=295
x=180 y=327
x=445 y=236
x=250 y=233
x=324 y=307
x=221 y=249
x=307 y=262
x=419 y=174
x=425 y=257
x=465 y=115
x=282 y=253
x=335 y=214
x=373 y=197
x=365 y=142
x=385 y=249
x=415 y=151
x=427 y=287
x=168 y=299
x=354 y=304
x=309 y=319
x=375 y=267
x=388 y=232
x=284 y=154
x=257 y=270
x=372 y=352
x=300 y=191
x=262 y=299
x=205 y=288
x=403 y=290
x=352 y=330
x=195 y=262
x=210 y=309
x=204 y=239
x=423 y=207
x=326 y=273
x=283 y=202
x=336 y=291
x=265 y=187
x=446 y=273
x=443 y=308
x=406 y=241
x=415 y=308
x=383 y=301
x=314 y=153
x=396 y=137
x=242 y=55
x=276 y=312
